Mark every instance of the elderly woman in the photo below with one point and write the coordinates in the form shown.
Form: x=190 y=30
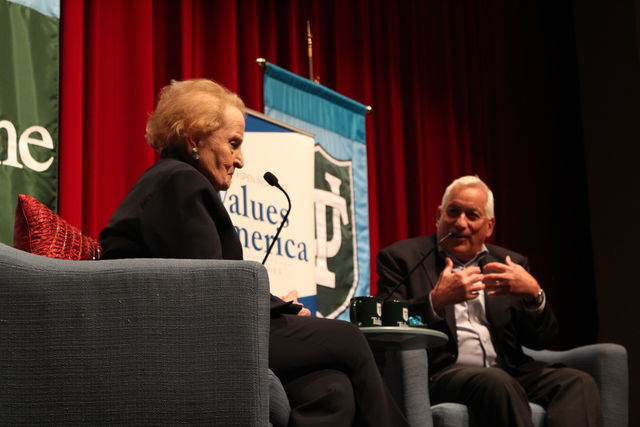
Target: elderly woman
x=173 y=211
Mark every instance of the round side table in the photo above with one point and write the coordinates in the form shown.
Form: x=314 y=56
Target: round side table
x=403 y=337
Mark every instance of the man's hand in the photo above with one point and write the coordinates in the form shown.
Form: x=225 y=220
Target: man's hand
x=509 y=278
x=453 y=288
x=293 y=296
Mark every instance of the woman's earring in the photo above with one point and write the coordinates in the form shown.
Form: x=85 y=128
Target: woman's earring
x=195 y=153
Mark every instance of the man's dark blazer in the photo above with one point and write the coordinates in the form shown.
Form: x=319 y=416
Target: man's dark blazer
x=512 y=325
x=173 y=211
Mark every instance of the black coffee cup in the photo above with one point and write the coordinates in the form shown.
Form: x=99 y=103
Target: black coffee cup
x=366 y=311
x=395 y=313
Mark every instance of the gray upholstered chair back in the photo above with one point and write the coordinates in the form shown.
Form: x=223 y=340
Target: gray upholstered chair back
x=132 y=342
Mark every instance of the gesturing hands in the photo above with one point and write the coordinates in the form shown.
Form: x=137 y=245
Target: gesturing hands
x=453 y=288
x=459 y=286
x=509 y=278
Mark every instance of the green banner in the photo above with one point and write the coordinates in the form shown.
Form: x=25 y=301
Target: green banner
x=336 y=256
x=29 y=68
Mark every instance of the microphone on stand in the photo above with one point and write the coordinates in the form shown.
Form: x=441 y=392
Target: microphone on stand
x=450 y=233
x=273 y=181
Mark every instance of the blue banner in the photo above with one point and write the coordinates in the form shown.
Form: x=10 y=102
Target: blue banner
x=340 y=184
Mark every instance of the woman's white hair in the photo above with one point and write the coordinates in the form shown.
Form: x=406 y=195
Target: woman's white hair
x=193 y=107
x=470 y=181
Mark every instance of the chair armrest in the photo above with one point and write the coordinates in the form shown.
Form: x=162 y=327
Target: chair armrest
x=406 y=373
x=146 y=341
x=279 y=407
x=607 y=363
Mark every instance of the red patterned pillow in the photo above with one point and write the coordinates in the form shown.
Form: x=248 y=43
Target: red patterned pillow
x=41 y=231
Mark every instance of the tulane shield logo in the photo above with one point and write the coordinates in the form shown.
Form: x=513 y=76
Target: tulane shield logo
x=336 y=252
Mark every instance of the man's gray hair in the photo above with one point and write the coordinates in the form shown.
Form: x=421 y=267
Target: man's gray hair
x=470 y=181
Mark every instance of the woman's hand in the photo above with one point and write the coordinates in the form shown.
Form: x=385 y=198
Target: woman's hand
x=293 y=296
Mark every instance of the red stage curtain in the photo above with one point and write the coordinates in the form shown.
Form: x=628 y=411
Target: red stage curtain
x=487 y=88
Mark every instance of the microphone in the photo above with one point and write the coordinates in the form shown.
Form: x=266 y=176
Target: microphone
x=450 y=233
x=273 y=181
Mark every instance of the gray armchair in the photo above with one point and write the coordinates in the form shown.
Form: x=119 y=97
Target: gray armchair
x=407 y=372
x=132 y=342
x=607 y=363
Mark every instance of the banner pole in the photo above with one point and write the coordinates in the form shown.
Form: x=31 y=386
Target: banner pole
x=310 y=51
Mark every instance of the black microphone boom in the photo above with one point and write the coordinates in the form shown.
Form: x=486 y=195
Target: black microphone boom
x=450 y=233
x=273 y=181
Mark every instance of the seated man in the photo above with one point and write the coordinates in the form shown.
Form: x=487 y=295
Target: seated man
x=489 y=305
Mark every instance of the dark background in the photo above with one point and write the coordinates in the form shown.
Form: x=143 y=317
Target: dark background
x=609 y=74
